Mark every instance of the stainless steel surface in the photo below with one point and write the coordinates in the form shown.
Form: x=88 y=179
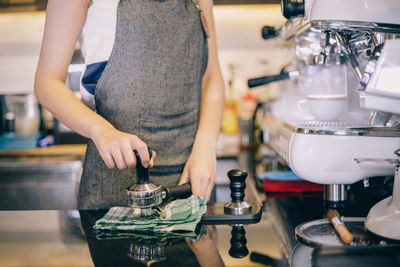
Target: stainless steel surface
x=148 y=252
x=356 y=26
x=335 y=192
x=322 y=233
x=359 y=131
x=39 y=185
x=347 y=51
x=36 y=236
x=144 y=190
x=380 y=118
x=145 y=197
x=340 y=128
x=370 y=67
x=301 y=256
x=237 y=208
x=371 y=160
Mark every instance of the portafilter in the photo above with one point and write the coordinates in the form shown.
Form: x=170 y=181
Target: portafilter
x=147 y=195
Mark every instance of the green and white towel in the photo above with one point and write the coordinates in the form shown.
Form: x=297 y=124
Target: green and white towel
x=180 y=215
x=146 y=235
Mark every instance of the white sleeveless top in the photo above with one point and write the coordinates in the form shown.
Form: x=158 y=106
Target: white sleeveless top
x=96 y=42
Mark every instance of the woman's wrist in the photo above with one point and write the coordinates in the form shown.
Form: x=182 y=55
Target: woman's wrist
x=98 y=129
x=203 y=140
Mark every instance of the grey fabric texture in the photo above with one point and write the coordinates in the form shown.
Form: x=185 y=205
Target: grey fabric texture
x=151 y=87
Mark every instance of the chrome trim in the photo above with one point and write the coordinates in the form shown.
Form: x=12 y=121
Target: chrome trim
x=335 y=192
x=340 y=130
x=376 y=160
x=361 y=131
x=356 y=25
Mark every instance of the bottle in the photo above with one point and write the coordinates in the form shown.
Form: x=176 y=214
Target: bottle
x=230 y=123
x=248 y=104
x=9 y=125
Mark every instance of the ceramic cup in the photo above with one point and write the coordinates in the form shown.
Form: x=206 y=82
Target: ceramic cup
x=323 y=107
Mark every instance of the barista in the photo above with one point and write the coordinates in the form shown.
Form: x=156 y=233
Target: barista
x=153 y=77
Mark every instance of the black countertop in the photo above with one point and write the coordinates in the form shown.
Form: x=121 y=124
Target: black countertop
x=66 y=238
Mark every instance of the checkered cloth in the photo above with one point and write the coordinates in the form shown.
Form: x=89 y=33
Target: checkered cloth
x=159 y=236
x=180 y=215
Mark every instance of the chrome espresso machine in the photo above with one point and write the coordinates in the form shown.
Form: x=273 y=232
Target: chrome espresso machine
x=337 y=120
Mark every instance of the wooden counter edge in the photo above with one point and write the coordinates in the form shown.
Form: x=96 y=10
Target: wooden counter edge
x=73 y=149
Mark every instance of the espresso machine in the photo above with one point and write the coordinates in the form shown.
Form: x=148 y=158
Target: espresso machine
x=337 y=119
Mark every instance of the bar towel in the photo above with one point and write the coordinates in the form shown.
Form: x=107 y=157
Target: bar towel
x=180 y=215
x=159 y=236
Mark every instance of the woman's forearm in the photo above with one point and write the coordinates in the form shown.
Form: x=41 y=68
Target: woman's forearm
x=212 y=101
x=55 y=96
x=64 y=22
x=211 y=110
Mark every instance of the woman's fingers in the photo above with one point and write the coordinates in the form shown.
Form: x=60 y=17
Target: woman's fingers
x=118 y=158
x=153 y=156
x=185 y=176
x=199 y=184
x=108 y=160
x=117 y=149
x=141 y=148
x=127 y=152
x=209 y=191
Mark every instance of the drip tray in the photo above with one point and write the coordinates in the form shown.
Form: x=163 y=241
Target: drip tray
x=321 y=233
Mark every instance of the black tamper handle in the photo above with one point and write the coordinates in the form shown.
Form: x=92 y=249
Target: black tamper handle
x=142 y=173
x=237 y=178
x=238 y=247
x=180 y=191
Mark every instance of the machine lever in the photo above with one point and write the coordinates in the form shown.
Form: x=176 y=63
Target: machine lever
x=273 y=78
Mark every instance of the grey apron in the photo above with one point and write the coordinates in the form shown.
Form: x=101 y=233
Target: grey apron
x=151 y=87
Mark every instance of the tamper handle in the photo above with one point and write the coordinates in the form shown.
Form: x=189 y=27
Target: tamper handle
x=237 y=179
x=238 y=247
x=142 y=173
x=180 y=191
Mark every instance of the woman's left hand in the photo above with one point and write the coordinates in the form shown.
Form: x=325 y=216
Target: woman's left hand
x=200 y=170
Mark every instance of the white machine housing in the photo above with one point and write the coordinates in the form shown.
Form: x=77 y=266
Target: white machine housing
x=376 y=11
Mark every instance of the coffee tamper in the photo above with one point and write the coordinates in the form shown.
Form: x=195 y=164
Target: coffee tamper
x=148 y=250
x=238 y=242
x=147 y=195
x=237 y=206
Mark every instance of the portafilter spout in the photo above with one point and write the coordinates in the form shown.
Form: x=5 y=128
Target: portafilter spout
x=147 y=195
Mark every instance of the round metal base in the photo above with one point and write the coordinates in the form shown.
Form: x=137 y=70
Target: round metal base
x=237 y=208
x=321 y=233
x=144 y=196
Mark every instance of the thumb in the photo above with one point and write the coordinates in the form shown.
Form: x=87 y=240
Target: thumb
x=185 y=177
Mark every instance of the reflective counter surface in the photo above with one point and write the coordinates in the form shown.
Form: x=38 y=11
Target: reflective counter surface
x=66 y=238
x=56 y=238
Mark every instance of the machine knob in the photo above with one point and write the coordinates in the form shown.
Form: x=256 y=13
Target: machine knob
x=268 y=32
x=238 y=242
x=237 y=179
x=292 y=8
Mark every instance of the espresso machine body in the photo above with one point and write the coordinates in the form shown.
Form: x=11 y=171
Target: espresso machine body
x=341 y=124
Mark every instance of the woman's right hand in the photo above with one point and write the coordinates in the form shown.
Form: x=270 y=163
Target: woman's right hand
x=116 y=148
